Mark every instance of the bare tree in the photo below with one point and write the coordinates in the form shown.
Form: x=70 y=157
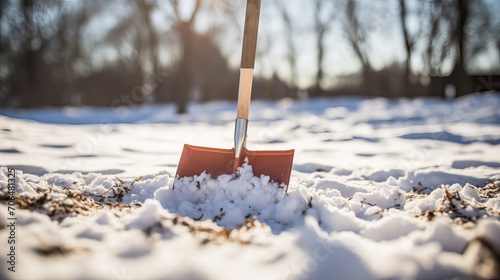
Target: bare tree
x=436 y=16
x=323 y=18
x=145 y=10
x=38 y=50
x=457 y=31
x=292 y=51
x=409 y=45
x=357 y=38
x=186 y=64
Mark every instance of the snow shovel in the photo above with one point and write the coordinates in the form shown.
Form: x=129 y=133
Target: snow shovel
x=276 y=164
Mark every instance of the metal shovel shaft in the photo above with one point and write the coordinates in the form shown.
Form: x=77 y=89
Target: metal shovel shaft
x=240 y=139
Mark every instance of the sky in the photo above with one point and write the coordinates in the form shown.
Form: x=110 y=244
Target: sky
x=382 y=18
x=385 y=38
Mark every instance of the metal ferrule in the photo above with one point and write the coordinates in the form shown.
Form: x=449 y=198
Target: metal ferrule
x=240 y=136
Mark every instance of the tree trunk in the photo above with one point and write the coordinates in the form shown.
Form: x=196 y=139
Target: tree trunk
x=357 y=38
x=320 y=30
x=185 y=79
x=408 y=46
x=459 y=77
x=27 y=68
x=319 y=74
x=292 y=52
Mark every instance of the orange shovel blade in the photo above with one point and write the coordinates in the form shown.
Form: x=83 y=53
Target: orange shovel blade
x=275 y=164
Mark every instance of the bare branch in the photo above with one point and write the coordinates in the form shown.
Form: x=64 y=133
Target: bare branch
x=195 y=11
x=175 y=6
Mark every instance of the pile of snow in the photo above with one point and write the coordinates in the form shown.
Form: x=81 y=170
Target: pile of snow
x=380 y=189
x=320 y=230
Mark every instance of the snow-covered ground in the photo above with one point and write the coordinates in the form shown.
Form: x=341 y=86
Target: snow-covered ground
x=380 y=189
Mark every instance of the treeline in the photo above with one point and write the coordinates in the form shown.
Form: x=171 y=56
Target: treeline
x=118 y=53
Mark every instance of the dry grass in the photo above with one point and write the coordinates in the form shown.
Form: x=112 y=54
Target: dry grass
x=451 y=205
x=59 y=203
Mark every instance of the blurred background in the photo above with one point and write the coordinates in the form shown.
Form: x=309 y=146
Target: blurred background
x=124 y=52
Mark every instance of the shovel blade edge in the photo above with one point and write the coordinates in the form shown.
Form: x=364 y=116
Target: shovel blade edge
x=275 y=164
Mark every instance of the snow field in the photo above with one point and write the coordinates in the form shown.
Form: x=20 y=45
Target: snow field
x=380 y=189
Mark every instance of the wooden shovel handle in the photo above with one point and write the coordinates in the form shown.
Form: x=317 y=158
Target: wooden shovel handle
x=248 y=57
x=250 y=34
